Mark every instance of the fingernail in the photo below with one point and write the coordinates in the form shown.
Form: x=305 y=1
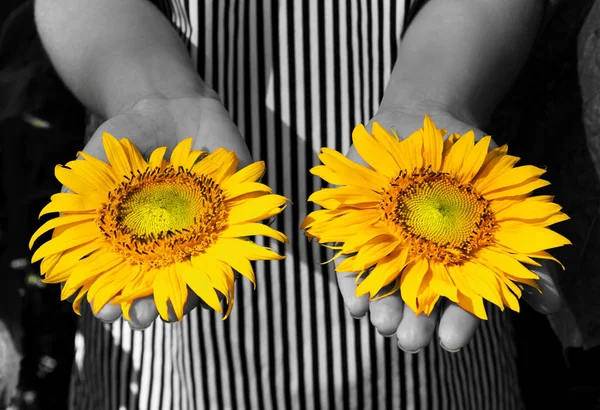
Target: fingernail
x=449 y=350
x=408 y=351
x=355 y=317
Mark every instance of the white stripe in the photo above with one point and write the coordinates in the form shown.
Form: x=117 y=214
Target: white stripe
x=167 y=366
x=366 y=91
x=179 y=386
x=387 y=55
x=186 y=363
x=220 y=54
x=317 y=298
x=345 y=81
x=425 y=385
x=288 y=139
x=409 y=382
x=210 y=351
x=230 y=59
x=194 y=30
x=434 y=371
x=157 y=367
x=209 y=31
x=195 y=341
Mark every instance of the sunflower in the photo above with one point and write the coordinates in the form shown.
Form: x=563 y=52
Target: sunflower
x=132 y=227
x=434 y=217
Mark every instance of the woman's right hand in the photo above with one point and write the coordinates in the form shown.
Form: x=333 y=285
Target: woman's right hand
x=154 y=122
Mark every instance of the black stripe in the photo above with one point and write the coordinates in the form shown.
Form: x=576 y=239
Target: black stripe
x=323 y=254
x=294 y=237
x=279 y=183
x=308 y=158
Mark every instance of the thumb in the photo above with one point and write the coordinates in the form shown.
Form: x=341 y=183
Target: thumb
x=550 y=299
x=217 y=130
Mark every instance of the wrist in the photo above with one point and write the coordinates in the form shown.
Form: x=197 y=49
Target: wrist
x=439 y=110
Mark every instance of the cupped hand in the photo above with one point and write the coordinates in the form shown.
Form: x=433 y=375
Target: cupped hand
x=455 y=326
x=154 y=122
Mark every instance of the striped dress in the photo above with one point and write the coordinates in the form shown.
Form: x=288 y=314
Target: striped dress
x=295 y=76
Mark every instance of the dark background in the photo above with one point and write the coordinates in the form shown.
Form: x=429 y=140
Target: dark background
x=41 y=125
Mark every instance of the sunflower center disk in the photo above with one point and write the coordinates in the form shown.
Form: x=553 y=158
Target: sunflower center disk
x=162 y=216
x=438 y=217
x=160 y=207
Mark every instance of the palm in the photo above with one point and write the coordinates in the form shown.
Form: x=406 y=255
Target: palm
x=160 y=122
x=455 y=326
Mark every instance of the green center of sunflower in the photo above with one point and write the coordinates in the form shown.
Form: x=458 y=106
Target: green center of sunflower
x=163 y=206
x=438 y=217
x=440 y=211
x=163 y=215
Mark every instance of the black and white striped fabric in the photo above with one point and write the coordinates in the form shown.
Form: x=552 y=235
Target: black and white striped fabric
x=295 y=76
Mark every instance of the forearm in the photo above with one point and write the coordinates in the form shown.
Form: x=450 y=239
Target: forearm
x=112 y=53
x=462 y=56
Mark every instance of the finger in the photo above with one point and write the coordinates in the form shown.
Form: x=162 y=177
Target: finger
x=456 y=327
x=192 y=302
x=109 y=313
x=415 y=332
x=386 y=313
x=549 y=301
x=357 y=306
x=142 y=313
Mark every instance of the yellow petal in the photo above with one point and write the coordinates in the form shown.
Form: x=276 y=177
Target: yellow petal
x=91 y=175
x=181 y=153
x=61 y=220
x=525 y=238
x=345 y=194
x=472 y=163
x=351 y=172
x=441 y=282
x=392 y=145
x=252 y=229
x=161 y=291
x=459 y=151
x=484 y=282
x=250 y=173
x=374 y=153
x=230 y=257
x=410 y=282
x=250 y=250
x=413 y=146
x=68 y=202
x=433 y=144
x=375 y=250
x=234 y=191
x=133 y=155
x=218 y=165
x=361 y=237
x=473 y=304
x=257 y=209
x=523 y=188
x=328 y=175
x=178 y=294
x=78 y=184
x=70 y=258
x=156 y=158
x=199 y=282
x=512 y=177
x=528 y=210
x=77 y=235
x=89 y=268
x=505 y=263
x=116 y=155
x=386 y=271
